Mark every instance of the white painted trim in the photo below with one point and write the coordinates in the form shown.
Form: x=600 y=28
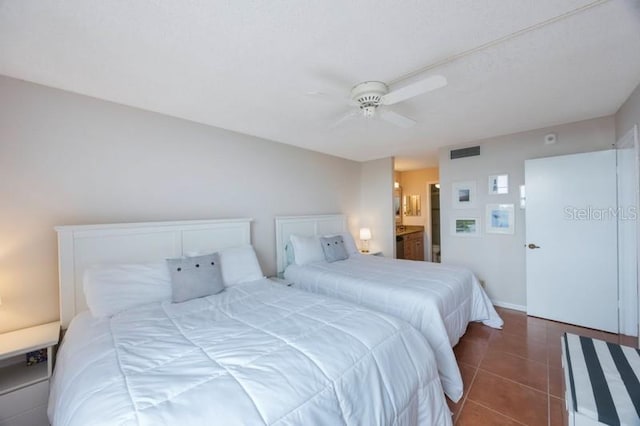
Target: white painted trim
x=627 y=306
x=141 y=225
x=82 y=246
x=636 y=137
x=522 y=308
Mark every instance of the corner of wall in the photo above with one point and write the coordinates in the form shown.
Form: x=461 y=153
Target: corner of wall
x=628 y=114
x=376 y=203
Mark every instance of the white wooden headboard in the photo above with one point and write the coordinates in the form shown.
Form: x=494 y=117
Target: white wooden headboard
x=305 y=226
x=82 y=246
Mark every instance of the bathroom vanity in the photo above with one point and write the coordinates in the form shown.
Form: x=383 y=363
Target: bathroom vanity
x=410 y=242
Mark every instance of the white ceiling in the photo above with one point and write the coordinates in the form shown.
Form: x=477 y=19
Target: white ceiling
x=247 y=65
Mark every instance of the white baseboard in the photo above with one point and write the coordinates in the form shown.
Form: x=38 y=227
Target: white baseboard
x=631 y=332
x=523 y=308
x=513 y=306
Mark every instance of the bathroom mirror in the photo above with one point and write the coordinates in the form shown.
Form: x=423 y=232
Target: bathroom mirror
x=412 y=205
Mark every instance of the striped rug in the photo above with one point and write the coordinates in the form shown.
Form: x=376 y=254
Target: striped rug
x=603 y=379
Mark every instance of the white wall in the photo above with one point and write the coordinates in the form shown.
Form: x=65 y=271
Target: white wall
x=377 y=205
x=70 y=159
x=499 y=260
x=629 y=114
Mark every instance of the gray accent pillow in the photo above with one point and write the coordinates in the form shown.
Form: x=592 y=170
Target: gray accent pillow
x=193 y=277
x=334 y=248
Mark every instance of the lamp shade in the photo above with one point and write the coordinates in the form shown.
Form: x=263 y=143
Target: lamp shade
x=365 y=234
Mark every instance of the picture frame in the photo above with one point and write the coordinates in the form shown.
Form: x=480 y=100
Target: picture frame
x=498 y=184
x=464 y=195
x=465 y=226
x=500 y=219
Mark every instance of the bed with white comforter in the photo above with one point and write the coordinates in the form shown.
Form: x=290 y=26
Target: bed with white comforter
x=438 y=300
x=257 y=353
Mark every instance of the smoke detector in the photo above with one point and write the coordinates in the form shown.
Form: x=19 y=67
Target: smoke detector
x=550 y=139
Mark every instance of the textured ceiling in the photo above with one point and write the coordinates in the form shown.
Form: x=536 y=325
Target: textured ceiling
x=248 y=66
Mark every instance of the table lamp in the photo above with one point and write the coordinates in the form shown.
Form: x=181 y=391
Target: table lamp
x=365 y=236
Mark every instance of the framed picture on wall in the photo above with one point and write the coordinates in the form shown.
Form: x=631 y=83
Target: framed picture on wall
x=499 y=184
x=500 y=219
x=465 y=226
x=464 y=195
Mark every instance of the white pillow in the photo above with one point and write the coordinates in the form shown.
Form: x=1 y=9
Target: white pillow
x=110 y=289
x=306 y=249
x=239 y=265
x=349 y=243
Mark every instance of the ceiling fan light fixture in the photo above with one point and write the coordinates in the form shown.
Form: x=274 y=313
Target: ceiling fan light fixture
x=369 y=95
x=368 y=111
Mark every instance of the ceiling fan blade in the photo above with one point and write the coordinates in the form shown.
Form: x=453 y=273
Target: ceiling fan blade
x=346 y=117
x=415 y=89
x=397 y=119
x=333 y=97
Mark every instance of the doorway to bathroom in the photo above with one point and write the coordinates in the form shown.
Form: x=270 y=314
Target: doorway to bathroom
x=432 y=224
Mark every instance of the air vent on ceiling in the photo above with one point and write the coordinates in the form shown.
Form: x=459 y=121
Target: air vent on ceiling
x=472 y=151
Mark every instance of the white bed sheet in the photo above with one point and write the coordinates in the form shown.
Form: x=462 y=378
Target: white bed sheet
x=438 y=300
x=257 y=353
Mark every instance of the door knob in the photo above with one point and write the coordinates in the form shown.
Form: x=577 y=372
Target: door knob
x=533 y=246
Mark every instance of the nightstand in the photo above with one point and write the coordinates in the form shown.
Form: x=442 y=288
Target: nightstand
x=281 y=281
x=24 y=390
x=372 y=253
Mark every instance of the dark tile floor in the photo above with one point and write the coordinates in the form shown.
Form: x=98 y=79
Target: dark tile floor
x=514 y=376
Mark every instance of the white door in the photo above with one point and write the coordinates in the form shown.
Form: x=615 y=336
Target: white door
x=571 y=239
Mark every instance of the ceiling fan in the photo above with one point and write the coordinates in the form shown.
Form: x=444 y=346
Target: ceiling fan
x=370 y=96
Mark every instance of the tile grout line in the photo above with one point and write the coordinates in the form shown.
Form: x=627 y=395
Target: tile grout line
x=465 y=396
x=548 y=390
x=537 y=342
x=473 y=380
x=498 y=412
x=521 y=357
x=513 y=381
x=517 y=383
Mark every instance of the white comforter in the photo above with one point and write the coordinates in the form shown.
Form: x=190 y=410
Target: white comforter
x=438 y=300
x=257 y=353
